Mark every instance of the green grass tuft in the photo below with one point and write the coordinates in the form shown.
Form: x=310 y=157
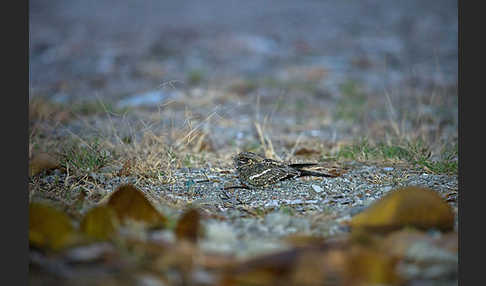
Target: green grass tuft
x=88 y=158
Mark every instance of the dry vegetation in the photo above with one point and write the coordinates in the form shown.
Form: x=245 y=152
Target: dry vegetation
x=81 y=153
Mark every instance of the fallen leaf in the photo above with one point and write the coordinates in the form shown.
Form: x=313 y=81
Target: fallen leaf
x=410 y=206
x=188 y=226
x=41 y=162
x=306 y=152
x=100 y=223
x=50 y=228
x=130 y=203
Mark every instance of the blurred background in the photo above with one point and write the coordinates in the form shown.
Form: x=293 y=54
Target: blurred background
x=135 y=46
x=341 y=63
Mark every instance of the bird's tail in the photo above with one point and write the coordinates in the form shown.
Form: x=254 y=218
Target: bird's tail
x=302 y=165
x=304 y=173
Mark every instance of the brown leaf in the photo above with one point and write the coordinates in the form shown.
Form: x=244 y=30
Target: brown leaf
x=306 y=152
x=50 y=228
x=410 y=206
x=130 y=203
x=41 y=162
x=188 y=226
x=100 y=223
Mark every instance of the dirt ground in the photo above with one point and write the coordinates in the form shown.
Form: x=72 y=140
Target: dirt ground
x=162 y=94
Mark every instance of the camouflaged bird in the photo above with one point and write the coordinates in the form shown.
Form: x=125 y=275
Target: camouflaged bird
x=257 y=171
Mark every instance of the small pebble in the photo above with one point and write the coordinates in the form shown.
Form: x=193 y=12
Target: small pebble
x=386 y=189
x=317 y=189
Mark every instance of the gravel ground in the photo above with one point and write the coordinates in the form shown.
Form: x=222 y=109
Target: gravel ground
x=312 y=74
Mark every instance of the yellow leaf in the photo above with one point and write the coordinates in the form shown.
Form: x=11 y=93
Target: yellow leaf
x=49 y=227
x=410 y=206
x=100 y=223
x=130 y=203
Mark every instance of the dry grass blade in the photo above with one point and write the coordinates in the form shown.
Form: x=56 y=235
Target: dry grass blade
x=266 y=142
x=189 y=137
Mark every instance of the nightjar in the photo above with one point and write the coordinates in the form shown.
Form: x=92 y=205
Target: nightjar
x=257 y=171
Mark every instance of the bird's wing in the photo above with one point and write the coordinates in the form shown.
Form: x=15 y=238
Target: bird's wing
x=269 y=173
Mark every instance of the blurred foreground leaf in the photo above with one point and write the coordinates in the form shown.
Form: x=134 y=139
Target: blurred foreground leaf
x=100 y=223
x=410 y=206
x=50 y=228
x=130 y=203
x=188 y=226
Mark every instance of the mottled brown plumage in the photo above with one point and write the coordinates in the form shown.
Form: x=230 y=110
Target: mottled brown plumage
x=258 y=171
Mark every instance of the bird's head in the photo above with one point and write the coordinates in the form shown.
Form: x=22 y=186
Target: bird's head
x=246 y=158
